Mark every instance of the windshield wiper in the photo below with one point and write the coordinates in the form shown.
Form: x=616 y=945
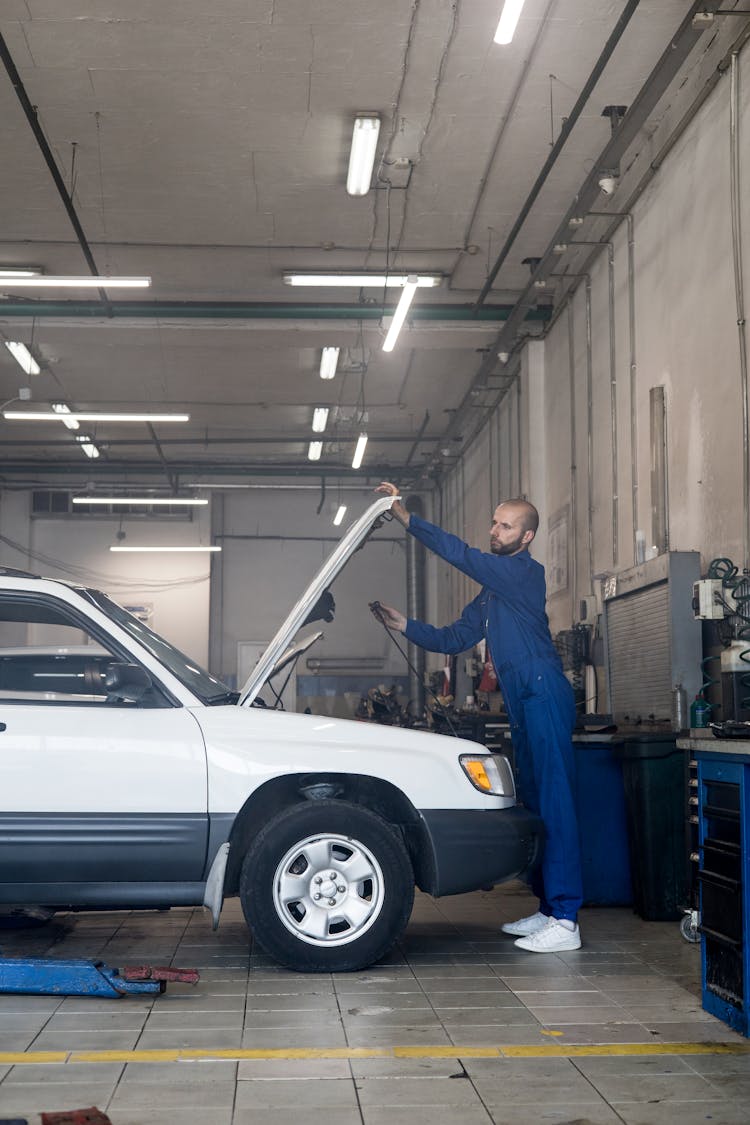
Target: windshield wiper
x=223 y=697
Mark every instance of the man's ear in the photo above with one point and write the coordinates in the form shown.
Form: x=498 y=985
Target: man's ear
x=527 y=536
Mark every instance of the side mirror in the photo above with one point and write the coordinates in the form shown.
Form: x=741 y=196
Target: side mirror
x=126 y=683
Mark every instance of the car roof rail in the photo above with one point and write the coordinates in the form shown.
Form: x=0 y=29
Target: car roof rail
x=11 y=572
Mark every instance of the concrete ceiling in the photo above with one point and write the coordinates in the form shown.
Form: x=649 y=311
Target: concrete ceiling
x=206 y=145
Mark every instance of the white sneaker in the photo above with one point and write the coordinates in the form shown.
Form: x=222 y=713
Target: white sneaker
x=552 y=938
x=525 y=926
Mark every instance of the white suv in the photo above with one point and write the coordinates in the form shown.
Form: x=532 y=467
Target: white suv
x=130 y=777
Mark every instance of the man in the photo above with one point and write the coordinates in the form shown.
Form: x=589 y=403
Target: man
x=510 y=613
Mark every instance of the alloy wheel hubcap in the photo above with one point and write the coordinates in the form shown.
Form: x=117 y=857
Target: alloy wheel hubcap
x=328 y=890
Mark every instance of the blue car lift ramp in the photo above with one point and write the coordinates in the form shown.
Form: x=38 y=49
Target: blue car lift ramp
x=53 y=977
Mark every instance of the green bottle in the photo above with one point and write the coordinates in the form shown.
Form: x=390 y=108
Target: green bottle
x=700 y=712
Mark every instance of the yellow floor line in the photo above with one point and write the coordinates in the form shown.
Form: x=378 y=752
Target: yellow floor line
x=510 y=1051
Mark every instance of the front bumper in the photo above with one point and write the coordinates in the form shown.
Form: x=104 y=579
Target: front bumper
x=475 y=848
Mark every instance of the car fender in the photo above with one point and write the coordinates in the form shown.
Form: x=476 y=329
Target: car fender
x=247 y=747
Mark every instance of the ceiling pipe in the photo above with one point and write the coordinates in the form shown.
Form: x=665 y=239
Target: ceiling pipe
x=419 y=437
x=122 y=469
x=159 y=490
x=250 y=310
x=609 y=47
x=167 y=470
x=643 y=105
x=204 y=442
x=736 y=225
x=31 y=116
x=653 y=89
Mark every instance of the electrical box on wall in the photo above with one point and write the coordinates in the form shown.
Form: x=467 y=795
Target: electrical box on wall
x=708 y=599
x=589 y=609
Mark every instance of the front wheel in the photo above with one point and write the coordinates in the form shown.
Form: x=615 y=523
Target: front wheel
x=327 y=886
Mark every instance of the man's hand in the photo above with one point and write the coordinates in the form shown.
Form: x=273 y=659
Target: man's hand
x=389 y=617
x=398 y=509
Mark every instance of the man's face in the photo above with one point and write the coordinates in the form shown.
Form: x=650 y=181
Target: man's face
x=507 y=534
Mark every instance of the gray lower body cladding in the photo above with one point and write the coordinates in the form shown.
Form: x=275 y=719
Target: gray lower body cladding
x=473 y=849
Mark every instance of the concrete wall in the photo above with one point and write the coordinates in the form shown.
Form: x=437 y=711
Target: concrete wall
x=273 y=544
x=686 y=342
x=175 y=586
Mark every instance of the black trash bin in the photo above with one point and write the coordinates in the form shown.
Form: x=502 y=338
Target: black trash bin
x=654 y=780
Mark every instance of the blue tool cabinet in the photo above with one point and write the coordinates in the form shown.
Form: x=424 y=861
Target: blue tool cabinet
x=724 y=880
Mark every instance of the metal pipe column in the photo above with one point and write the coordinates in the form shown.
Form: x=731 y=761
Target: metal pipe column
x=573 y=466
x=415 y=608
x=734 y=110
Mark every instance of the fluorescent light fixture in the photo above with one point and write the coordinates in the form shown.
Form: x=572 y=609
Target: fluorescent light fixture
x=48 y=281
x=163 y=500
x=314 y=450
x=359 y=451
x=508 y=21
x=89 y=416
x=63 y=411
x=88 y=446
x=19 y=271
x=134 y=550
x=363 y=280
x=608 y=182
x=339 y=515
x=23 y=356
x=328 y=360
x=320 y=418
x=362 y=155
x=399 y=316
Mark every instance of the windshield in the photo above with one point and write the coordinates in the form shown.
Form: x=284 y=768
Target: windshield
x=201 y=683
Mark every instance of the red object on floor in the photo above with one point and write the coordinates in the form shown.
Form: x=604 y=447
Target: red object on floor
x=91 y=1116
x=159 y=972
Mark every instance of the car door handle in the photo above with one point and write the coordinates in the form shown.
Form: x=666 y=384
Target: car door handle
x=2 y=726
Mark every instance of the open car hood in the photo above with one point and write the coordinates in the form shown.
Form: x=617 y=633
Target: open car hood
x=353 y=538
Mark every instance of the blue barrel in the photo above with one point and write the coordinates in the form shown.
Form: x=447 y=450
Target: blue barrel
x=602 y=823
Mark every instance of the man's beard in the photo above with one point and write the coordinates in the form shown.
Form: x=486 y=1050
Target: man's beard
x=507 y=548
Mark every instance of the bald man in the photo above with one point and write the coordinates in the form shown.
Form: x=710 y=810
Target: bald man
x=509 y=612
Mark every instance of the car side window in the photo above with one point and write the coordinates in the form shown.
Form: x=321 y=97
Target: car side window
x=49 y=656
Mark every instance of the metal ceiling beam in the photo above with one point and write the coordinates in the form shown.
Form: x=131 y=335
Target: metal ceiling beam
x=648 y=97
x=32 y=118
x=570 y=121
x=652 y=91
x=251 y=310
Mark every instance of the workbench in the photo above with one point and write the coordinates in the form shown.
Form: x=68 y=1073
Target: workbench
x=722 y=804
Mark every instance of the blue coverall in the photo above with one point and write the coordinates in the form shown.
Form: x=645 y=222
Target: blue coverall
x=510 y=613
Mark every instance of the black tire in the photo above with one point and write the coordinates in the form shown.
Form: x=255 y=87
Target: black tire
x=360 y=914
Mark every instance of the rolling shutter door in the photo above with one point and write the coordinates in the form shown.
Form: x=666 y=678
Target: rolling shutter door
x=640 y=658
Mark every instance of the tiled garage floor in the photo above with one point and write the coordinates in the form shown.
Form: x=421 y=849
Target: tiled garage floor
x=457 y=1026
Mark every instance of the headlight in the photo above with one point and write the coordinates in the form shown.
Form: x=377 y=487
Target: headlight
x=489 y=773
